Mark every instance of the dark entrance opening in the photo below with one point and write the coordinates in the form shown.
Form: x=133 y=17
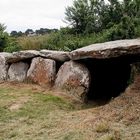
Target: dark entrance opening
x=109 y=77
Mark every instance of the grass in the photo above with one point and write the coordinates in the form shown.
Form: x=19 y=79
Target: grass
x=33 y=43
x=102 y=127
x=26 y=114
x=59 y=41
x=29 y=112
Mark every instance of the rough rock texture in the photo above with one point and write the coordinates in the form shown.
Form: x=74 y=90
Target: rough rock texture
x=29 y=54
x=7 y=56
x=18 y=71
x=42 y=71
x=22 y=55
x=107 y=49
x=135 y=75
x=3 y=68
x=55 y=55
x=19 y=56
x=74 y=78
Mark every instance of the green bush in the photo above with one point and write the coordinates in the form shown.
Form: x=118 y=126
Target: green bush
x=3 y=41
x=137 y=30
x=12 y=46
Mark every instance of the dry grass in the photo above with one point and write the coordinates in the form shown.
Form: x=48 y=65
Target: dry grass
x=33 y=42
x=41 y=115
x=102 y=127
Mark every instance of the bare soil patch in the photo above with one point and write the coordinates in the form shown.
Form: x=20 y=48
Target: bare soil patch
x=18 y=104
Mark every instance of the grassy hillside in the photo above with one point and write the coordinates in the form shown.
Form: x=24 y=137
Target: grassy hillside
x=29 y=112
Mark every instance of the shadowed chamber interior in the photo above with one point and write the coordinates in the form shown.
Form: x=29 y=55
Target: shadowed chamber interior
x=109 y=77
x=58 y=65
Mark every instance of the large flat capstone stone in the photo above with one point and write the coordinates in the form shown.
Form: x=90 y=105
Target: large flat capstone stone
x=74 y=78
x=19 y=56
x=55 y=55
x=107 y=50
x=29 y=54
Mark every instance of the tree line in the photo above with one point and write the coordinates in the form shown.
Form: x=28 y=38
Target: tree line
x=31 y=32
x=89 y=21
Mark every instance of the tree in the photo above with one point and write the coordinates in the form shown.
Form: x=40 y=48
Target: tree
x=83 y=15
x=3 y=37
x=16 y=34
x=29 y=31
x=20 y=33
x=111 y=14
x=43 y=31
x=93 y=16
x=2 y=27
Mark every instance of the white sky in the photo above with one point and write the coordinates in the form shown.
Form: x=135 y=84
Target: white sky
x=20 y=15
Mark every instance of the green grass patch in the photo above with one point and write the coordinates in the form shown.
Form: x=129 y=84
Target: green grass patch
x=27 y=114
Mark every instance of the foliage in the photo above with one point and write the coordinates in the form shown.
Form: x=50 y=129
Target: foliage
x=12 y=45
x=92 y=16
x=43 y=31
x=91 y=21
x=64 y=41
x=7 y=43
x=83 y=15
x=16 y=34
x=3 y=37
x=31 y=32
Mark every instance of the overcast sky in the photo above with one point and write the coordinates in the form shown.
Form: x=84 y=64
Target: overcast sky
x=35 y=14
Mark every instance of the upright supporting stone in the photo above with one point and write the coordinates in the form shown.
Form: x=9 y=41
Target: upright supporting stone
x=74 y=78
x=3 y=68
x=42 y=71
x=135 y=75
x=18 y=71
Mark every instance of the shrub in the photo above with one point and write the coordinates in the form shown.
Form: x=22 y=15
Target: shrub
x=3 y=41
x=65 y=40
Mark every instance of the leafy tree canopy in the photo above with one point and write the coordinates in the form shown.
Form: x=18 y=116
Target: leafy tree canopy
x=92 y=16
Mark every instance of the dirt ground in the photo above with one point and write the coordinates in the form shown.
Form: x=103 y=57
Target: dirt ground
x=117 y=120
